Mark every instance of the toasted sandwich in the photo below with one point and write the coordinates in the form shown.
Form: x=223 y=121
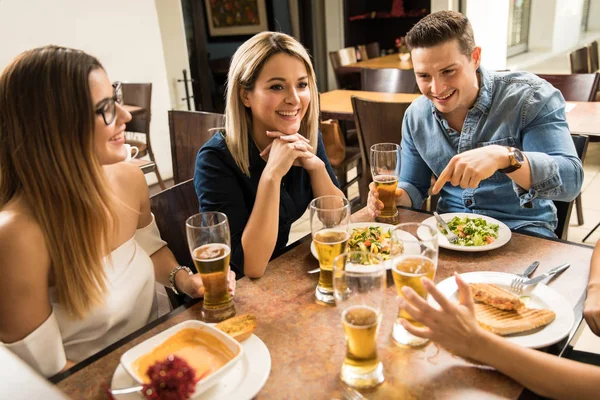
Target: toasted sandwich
x=508 y=322
x=494 y=296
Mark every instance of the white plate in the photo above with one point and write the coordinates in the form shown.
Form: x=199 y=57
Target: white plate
x=538 y=296
x=131 y=355
x=243 y=381
x=504 y=233
x=384 y=227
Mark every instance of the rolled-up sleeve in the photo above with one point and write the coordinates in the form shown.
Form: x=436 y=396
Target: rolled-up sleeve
x=556 y=170
x=415 y=174
x=218 y=190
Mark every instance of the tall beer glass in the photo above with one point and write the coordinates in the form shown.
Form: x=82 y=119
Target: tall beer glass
x=385 y=169
x=414 y=256
x=210 y=246
x=359 y=280
x=329 y=224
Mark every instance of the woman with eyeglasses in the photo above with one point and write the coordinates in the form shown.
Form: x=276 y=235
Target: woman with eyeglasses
x=269 y=161
x=80 y=251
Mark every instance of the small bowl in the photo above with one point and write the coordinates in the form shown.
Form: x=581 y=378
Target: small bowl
x=404 y=56
x=131 y=355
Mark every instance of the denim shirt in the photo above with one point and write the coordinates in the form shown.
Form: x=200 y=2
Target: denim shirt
x=515 y=109
x=222 y=186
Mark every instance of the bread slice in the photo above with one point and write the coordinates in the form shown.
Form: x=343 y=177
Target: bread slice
x=508 y=322
x=240 y=328
x=494 y=296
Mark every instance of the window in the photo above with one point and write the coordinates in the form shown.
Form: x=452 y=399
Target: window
x=586 y=15
x=518 y=26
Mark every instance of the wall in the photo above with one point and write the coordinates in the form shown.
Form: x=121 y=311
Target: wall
x=334 y=37
x=594 y=18
x=493 y=42
x=172 y=32
x=567 y=24
x=124 y=35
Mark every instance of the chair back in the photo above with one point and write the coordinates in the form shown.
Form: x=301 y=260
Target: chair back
x=368 y=51
x=376 y=122
x=344 y=79
x=138 y=94
x=389 y=80
x=189 y=130
x=580 y=61
x=575 y=87
x=171 y=208
x=563 y=208
x=593 y=53
x=342 y=57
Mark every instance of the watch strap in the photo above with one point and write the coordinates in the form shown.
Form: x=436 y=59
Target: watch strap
x=172 y=277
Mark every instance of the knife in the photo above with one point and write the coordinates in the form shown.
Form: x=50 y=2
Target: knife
x=530 y=269
x=548 y=274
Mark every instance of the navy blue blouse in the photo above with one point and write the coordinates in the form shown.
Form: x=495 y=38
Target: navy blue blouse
x=222 y=186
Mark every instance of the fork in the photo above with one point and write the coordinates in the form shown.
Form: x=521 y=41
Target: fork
x=452 y=238
x=538 y=279
x=351 y=394
x=520 y=278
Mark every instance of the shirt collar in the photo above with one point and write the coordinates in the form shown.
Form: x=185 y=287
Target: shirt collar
x=484 y=99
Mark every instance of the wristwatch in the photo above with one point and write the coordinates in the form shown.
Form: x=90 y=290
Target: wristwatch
x=172 y=276
x=516 y=159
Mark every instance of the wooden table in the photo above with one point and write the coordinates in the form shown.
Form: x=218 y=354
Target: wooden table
x=337 y=104
x=306 y=340
x=584 y=119
x=389 y=61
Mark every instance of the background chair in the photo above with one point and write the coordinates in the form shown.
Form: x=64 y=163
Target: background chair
x=575 y=87
x=580 y=61
x=171 y=208
x=345 y=79
x=389 y=80
x=376 y=122
x=563 y=209
x=189 y=130
x=368 y=51
x=140 y=95
x=593 y=54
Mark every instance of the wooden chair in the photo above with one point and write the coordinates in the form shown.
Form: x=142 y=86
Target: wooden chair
x=171 y=208
x=368 y=51
x=389 y=80
x=376 y=122
x=189 y=130
x=580 y=63
x=575 y=87
x=593 y=54
x=344 y=79
x=140 y=95
x=563 y=209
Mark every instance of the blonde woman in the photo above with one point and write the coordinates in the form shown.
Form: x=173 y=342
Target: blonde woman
x=80 y=248
x=267 y=164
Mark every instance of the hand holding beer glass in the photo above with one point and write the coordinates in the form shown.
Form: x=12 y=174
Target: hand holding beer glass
x=210 y=246
x=414 y=255
x=385 y=169
x=329 y=224
x=359 y=280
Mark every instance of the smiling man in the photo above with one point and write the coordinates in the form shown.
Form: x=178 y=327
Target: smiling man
x=498 y=142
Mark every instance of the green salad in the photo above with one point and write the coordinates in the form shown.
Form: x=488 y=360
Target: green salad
x=473 y=231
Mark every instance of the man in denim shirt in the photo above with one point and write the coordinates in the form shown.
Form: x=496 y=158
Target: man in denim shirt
x=498 y=142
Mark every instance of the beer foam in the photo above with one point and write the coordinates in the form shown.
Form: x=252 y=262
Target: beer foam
x=209 y=251
x=425 y=261
x=363 y=321
x=325 y=231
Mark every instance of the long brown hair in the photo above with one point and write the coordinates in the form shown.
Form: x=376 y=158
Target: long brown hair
x=246 y=64
x=47 y=158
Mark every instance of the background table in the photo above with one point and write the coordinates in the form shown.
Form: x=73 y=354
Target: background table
x=306 y=340
x=584 y=119
x=337 y=104
x=389 y=61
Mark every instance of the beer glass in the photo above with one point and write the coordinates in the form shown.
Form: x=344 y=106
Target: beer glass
x=414 y=255
x=210 y=246
x=329 y=224
x=385 y=169
x=359 y=280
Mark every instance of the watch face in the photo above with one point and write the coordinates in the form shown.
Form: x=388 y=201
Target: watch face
x=518 y=156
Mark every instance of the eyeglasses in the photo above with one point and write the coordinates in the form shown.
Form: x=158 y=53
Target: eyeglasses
x=108 y=108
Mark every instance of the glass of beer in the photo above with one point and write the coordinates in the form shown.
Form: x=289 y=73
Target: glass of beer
x=359 y=281
x=210 y=245
x=385 y=169
x=329 y=224
x=414 y=255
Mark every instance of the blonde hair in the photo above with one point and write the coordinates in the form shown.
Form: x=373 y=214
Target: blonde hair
x=246 y=65
x=47 y=158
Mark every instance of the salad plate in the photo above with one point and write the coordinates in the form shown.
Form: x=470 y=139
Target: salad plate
x=480 y=229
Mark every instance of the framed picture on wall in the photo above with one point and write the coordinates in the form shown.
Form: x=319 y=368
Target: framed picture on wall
x=236 y=17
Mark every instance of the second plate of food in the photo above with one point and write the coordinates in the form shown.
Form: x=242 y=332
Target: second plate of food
x=477 y=232
x=364 y=235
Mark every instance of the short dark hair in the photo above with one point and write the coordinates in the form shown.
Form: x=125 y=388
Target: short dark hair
x=441 y=27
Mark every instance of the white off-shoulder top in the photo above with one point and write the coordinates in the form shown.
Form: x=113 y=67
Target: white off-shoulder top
x=129 y=304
